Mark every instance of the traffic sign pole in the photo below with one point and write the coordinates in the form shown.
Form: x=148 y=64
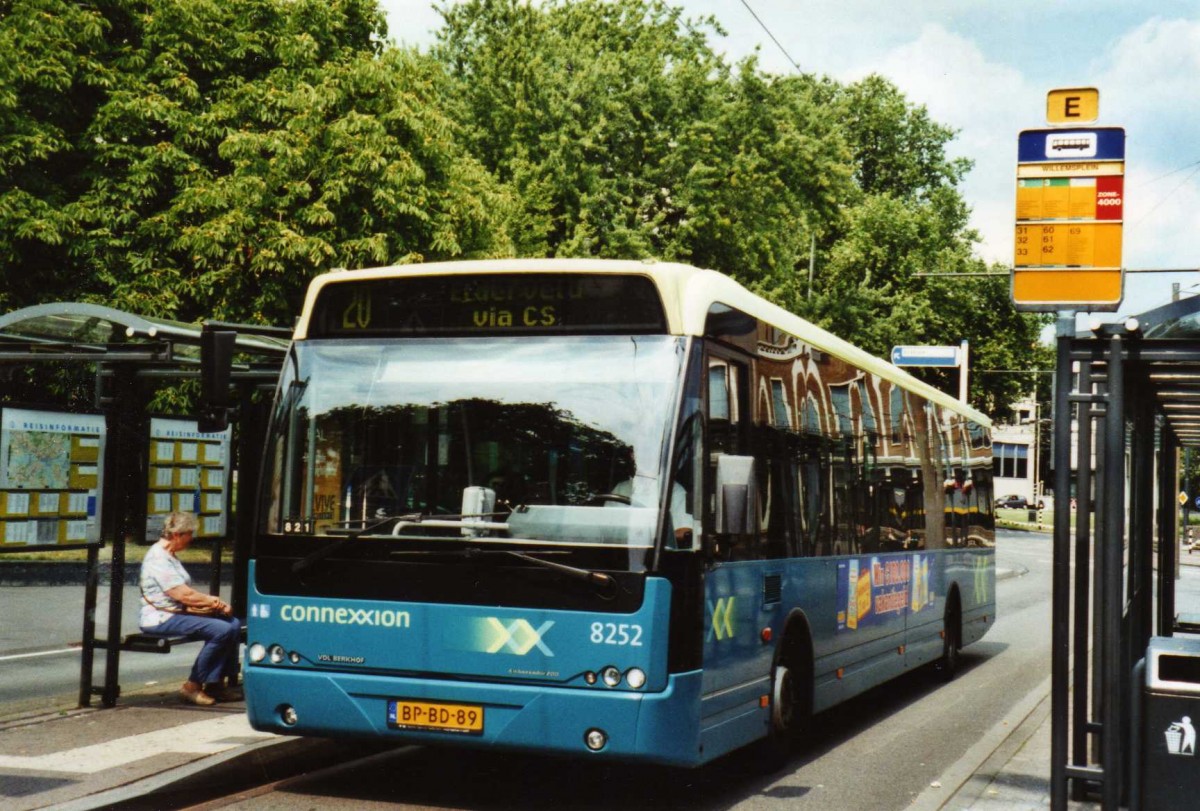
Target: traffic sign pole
x=964 y=353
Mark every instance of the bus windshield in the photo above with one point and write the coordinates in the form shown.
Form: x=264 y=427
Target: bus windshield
x=530 y=440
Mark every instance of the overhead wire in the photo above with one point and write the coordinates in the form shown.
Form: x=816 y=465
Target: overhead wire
x=1167 y=196
x=778 y=44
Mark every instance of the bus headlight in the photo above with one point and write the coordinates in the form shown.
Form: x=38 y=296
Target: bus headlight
x=276 y=653
x=595 y=739
x=635 y=677
x=611 y=676
x=257 y=652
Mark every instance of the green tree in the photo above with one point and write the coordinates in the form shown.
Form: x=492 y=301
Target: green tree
x=52 y=77
x=248 y=145
x=210 y=157
x=625 y=135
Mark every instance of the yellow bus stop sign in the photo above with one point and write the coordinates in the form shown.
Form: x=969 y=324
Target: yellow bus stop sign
x=1070 y=217
x=1073 y=105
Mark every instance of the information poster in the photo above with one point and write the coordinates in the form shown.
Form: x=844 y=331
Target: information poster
x=189 y=472
x=51 y=472
x=873 y=590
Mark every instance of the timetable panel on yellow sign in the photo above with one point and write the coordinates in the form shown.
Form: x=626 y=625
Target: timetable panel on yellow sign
x=1082 y=244
x=1070 y=198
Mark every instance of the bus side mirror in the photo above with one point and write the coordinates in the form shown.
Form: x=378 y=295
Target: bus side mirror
x=216 y=366
x=737 y=495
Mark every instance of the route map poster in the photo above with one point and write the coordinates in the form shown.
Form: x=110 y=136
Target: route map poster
x=189 y=472
x=51 y=471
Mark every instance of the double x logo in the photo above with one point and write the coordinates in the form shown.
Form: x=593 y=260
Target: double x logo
x=982 y=590
x=722 y=618
x=517 y=637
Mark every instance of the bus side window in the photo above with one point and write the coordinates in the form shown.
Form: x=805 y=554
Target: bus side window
x=723 y=410
x=725 y=407
x=776 y=484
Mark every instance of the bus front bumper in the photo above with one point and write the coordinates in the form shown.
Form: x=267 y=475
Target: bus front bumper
x=661 y=727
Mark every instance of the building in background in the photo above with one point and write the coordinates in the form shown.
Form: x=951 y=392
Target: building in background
x=1014 y=454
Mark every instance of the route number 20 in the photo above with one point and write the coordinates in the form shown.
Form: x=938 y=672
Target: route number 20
x=612 y=633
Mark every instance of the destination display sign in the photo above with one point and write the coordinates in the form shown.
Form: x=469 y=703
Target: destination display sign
x=1069 y=218
x=491 y=304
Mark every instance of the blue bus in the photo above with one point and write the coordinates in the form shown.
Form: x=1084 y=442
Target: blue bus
x=622 y=509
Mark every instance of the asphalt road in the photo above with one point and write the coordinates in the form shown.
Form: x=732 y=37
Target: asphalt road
x=39 y=646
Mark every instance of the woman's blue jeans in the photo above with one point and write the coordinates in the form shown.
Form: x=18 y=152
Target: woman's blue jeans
x=219 y=656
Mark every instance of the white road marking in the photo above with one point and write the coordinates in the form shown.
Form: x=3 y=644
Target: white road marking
x=200 y=738
x=39 y=653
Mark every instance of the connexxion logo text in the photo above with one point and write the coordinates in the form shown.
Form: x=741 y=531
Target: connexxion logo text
x=379 y=617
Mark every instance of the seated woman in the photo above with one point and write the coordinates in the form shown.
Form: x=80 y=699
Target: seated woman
x=174 y=607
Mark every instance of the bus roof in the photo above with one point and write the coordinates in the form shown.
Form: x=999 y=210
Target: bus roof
x=688 y=293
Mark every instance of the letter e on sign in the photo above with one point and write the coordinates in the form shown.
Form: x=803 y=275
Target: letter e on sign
x=1074 y=105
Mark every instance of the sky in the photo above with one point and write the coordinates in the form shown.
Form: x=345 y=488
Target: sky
x=983 y=67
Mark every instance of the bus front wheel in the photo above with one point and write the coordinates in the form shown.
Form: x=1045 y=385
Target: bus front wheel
x=788 y=713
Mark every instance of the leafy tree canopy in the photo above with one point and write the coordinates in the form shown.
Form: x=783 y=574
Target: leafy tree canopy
x=219 y=154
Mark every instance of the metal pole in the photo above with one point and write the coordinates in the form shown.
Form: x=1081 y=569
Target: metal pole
x=1083 y=574
x=1060 y=642
x=1168 y=543
x=1187 y=491
x=812 y=261
x=1111 y=549
x=89 y=625
x=964 y=354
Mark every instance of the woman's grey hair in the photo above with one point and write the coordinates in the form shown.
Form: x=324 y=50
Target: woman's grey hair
x=176 y=523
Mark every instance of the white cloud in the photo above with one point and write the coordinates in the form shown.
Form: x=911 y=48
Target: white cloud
x=987 y=102
x=411 y=22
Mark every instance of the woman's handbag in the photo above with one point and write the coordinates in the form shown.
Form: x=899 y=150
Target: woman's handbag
x=195 y=611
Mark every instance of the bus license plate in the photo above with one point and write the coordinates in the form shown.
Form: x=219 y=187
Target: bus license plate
x=465 y=719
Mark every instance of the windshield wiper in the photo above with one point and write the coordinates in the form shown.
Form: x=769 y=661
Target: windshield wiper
x=352 y=535
x=604 y=581
x=600 y=579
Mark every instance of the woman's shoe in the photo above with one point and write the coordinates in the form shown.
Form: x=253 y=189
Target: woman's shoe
x=192 y=693
x=221 y=692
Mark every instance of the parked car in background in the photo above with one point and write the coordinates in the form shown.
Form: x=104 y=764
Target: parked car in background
x=1012 y=502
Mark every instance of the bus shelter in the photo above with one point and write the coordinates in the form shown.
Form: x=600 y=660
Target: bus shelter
x=132 y=356
x=1127 y=402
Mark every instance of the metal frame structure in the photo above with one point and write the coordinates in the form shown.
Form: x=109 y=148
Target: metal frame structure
x=1127 y=398
x=131 y=354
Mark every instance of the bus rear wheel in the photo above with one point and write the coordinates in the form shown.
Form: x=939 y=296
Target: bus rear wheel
x=951 y=644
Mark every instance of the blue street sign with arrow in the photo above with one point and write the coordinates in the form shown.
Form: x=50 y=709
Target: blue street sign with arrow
x=925 y=355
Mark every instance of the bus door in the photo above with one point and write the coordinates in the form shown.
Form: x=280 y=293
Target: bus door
x=733 y=581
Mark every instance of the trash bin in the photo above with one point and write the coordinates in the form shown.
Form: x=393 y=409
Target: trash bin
x=1170 y=718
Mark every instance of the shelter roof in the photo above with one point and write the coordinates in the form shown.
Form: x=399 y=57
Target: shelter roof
x=79 y=331
x=1163 y=347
